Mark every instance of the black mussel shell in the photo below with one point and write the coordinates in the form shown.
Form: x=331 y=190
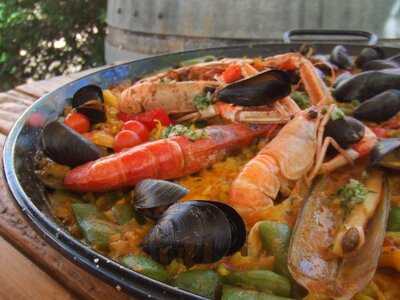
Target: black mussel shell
x=152 y=196
x=394 y=58
x=367 y=84
x=340 y=57
x=261 y=89
x=368 y=54
x=67 y=147
x=380 y=64
x=345 y=131
x=89 y=101
x=386 y=153
x=379 y=108
x=238 y=228
x=342 y=77
x=195 y=231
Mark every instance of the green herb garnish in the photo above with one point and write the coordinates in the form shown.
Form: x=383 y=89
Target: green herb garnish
x=337 y=114
x=202 y=101
x=301 y=99
x=349 y=107
x=352 y=194
x=179 y=129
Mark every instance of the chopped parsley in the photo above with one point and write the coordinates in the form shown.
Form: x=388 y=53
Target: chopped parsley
x=301 y=99
x=202 y=101
x=337 y=114
x=349 y=107
x=179 y=129
x=352 y=194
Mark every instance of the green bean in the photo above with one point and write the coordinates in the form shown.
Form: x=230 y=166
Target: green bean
x=394 y=219
x=90 y=221
x=122 y=213
x=145 y=266
x=201 y=282
x=275 y=238
x=235 y=293
x=261 y=280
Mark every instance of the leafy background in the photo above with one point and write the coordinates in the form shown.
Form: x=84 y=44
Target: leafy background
x=41 y=39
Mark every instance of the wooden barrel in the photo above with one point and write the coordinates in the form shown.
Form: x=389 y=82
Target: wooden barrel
x=138 y=28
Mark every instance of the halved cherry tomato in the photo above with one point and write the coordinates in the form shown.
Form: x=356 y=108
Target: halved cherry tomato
x=148 y=118
x=77 y=121
x=232 y=73
x=138 y=128
x=126 y=139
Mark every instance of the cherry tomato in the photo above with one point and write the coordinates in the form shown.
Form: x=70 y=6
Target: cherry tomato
x=126 y=139
x=148 y=118
x=138 y=128
x=380 y=132
x=232 y=73
x=77 y=122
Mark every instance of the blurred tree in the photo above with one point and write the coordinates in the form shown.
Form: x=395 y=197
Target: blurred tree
x=39 y=39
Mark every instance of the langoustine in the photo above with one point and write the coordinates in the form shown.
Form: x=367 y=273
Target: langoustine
x=163 y=159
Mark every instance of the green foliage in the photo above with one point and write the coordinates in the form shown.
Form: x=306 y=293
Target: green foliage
x=40 y=39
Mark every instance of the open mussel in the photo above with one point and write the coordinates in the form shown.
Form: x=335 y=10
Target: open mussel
x=196 y=232
x=340 y=57
x=152 y=196
x=386 y=153
x=89 y=100
x=310 y=260
x=342 y=77
x=367 y=84
x=345 y=131
x=368 y=54
x=67 y=147
x=260 y=89
x=379 y=108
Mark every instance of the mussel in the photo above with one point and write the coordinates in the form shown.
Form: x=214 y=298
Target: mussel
x=367 y=84
x=309 y=260
x=340 y=57
x=67 y=147
x=368 y=54
x=89 y=100
x=386 y=153
x=261 y=89
x=379 y=108
x=152 y=196
x=196 y=232
x=345 y=131
x=380 y=64
x=342 y=77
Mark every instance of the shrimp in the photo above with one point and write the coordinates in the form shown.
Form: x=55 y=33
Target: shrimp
x=169 y=158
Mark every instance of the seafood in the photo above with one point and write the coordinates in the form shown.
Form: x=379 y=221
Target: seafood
x=386 y=154
x=163 y=159
x=65 y=146
x=367 y=84
x=309 y=262
x=89 y=100
x=340 y=57
x=197 y=232
x=281 y=163
x=368 y=54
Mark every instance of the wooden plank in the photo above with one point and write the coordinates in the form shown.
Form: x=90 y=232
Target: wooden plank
x=24 y=280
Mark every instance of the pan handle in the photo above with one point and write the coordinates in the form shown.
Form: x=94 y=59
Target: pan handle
x=371 y=37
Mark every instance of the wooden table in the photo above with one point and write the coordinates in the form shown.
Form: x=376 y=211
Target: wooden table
x=30 y=268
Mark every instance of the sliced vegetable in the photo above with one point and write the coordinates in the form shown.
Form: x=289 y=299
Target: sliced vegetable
x=201 y=282
x=77 y=121
x=122 y=213
x=137 y=128
x=145 y=266
x=197 y=60
x=126 y=139
x=275 y=238
x=148 y=118
x=235 y=293
x=394 y=219
x=90 y=221
x=232 y=73
x=261 y=280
